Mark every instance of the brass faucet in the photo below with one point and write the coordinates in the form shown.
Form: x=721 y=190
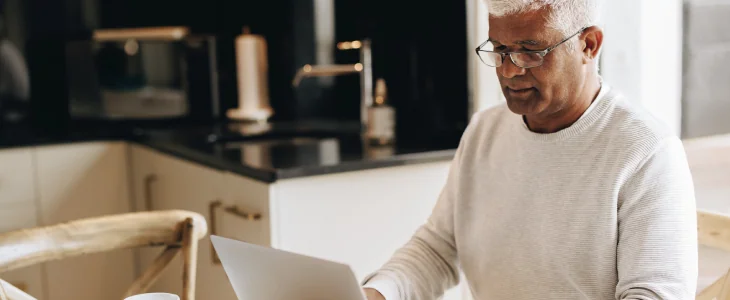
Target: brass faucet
x=364 y=68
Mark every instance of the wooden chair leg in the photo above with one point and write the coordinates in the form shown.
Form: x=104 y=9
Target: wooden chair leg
x=190 y=260
x=152 y=273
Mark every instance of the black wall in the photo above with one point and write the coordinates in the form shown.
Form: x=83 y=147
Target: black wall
x=419 y=48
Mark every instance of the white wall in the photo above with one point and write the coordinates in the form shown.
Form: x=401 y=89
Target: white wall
x=706 y=95
x=642 y=55
x=484 y=90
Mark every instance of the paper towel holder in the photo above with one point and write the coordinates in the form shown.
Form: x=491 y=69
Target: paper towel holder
x=250 y=108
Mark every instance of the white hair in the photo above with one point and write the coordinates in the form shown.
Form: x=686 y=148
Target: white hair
x=567 y=16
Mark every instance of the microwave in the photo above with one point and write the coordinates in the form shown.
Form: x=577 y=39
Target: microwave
x=157 y=73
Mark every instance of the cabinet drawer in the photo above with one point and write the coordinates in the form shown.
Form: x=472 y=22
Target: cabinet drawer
x=246 y=198
x=16 y=176
x=237 y=222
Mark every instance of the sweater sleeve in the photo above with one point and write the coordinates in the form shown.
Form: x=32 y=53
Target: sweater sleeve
x=657 y=244
x=426 y=266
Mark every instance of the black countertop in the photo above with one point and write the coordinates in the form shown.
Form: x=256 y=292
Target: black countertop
x=265 y=152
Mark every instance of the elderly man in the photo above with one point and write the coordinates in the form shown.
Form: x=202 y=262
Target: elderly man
x=569 y=191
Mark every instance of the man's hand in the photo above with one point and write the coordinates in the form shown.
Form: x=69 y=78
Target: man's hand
x=372 y=294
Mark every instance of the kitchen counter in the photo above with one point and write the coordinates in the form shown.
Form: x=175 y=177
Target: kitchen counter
x=24 y=136
x=265 y=152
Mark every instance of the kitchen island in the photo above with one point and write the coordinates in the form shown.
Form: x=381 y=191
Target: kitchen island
x=269 y=152
x=311 y=188
x=265 y=152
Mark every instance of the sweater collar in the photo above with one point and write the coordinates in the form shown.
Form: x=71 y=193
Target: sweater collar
x=593 y=113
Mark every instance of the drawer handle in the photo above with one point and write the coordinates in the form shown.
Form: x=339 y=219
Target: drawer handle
x=232 y=209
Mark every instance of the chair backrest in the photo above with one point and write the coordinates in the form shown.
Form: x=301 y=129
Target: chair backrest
x=178 y=230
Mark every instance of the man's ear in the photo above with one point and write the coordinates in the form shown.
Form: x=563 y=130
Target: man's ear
x=591 y=42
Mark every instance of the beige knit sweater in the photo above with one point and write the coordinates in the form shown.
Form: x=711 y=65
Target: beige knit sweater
x=604 y=209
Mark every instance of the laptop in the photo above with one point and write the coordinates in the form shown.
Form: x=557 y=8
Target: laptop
x=257 y=273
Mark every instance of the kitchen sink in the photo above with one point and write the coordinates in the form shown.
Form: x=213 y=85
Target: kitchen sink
x=282 y=132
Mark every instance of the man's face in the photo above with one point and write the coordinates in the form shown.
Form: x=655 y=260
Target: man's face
x=541 y=91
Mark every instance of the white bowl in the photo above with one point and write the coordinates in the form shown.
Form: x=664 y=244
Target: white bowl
x=154 y=296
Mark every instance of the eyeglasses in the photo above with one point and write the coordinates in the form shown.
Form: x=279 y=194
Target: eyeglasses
x=522 y=59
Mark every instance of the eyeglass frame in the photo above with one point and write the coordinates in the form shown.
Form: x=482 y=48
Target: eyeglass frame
x=541 y=53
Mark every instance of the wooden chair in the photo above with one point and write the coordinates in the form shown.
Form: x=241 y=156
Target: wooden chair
x=178 y=230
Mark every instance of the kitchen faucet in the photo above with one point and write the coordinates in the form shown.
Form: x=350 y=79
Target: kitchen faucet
x=364 y=68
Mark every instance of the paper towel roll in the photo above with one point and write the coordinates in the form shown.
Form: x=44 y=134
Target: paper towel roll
x=253 y=87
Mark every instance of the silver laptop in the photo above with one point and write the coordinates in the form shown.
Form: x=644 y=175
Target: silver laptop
x=257 y=273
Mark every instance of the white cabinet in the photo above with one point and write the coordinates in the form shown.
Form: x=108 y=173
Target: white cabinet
x=246 y=213
x=161 y=182
x=79 y=181
x=18 y=210
x=48 y=185
x=17 y=185
x=357 y=218
x=28 y=279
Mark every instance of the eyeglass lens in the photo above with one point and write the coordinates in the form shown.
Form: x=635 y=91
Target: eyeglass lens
x=522 y=60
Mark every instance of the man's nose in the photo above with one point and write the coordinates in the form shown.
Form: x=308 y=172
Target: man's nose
x=509 y=69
